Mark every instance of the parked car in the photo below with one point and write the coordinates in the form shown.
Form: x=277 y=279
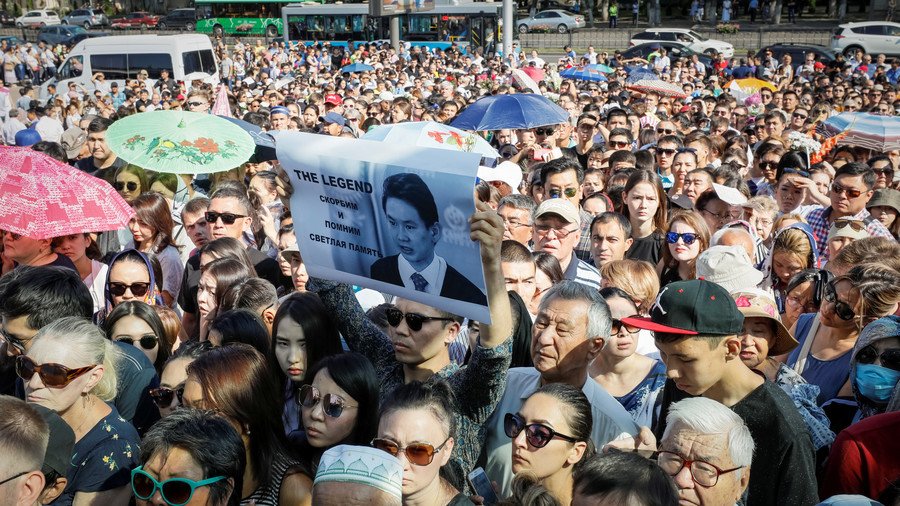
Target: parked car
x=698 y=43
x=798 y=52
x=38 y=18
x=675 y=49
x=179 y=19
x=873 y=37
x=138 y=19
x=67 y=35
x=86 y=18
x=552 y=20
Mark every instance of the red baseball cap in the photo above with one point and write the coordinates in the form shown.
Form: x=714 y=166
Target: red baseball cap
x=334 y=99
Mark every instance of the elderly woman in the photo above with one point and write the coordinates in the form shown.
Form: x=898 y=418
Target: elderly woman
x=190 y=457
x=764 y=336
x=71 y=369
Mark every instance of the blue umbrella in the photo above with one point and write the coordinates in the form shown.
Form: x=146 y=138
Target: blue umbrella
x=865 y=130
x=639 y=73
x=599 y=67
x=583 y=74
x=356 y=67
x=265 y=143
x=520 y=110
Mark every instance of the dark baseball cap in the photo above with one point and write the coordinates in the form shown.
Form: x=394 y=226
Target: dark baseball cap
x=692 y=308
x=62 y=441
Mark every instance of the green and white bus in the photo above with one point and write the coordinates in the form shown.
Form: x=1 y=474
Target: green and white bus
x=241 y=17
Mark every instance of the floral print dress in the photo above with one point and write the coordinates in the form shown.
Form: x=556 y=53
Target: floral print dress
x=103 y=458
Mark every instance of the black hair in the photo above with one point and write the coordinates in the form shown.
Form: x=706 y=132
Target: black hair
x=560 y=165
x=577 y=412
x=254 y=294
x=319 y=330
x=52 y=149
x=858 y=169
x=611 y=216
x=44 y=295
x=791 y=160
x=242 y=326
x=436 y=397
x=624 y=478
x=410 y=188
x=212 y=443
x=612 y=292
x=356 y=375
x=99 y=125
x=144 y=312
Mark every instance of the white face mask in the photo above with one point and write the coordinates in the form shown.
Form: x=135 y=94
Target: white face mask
x=264 y=104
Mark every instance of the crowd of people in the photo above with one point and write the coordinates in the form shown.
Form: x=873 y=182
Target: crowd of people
x=692 y=301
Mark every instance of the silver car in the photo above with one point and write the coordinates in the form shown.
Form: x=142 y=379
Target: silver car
x=86 y=18
x=553 y=20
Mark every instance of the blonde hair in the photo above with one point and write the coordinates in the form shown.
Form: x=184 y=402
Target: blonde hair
x=878 y=286
x=87 y=345
x=766 y=205
x=778 y=225
x=795 y=242
x=636 y=277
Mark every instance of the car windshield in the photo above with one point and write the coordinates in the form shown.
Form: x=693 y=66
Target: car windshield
x=76 y=30
x=697 y=36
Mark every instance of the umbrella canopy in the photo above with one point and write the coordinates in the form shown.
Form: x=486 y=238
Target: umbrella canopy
x=750 y=85
x=534 y=72
x=583 y=74
x=434 y=135
x=878 y=133
x=221 y=106
x=658 y=86
x=640 y=73
x=599 y=67
x=356 y=67
x=265 y=143
x=180 y=142
x=42 y=198
x=525 y=81
x=521 y=110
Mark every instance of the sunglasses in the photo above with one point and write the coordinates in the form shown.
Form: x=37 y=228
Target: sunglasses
x=851 y=193
x=665 y=131
x=618 y=325
x=768 y=165
x=801 y=116
x=147 y=342
x=537 y=435
x=687 y=237
x=196 y=104
x=791 y=170
x=618 y=144
x=889 y=358
x=568 y=192
x=884 y=171
x=52 y=375
x=227 y=218
x=332 y=405
x=420 y=454
x=841 y=308
x=14 y=236
x=544 y=131
x=121 y=185
x=413 y=320
x=137 y=289
x=163 y=396
x=667 y=152
x=856 y=225
x=175 y=491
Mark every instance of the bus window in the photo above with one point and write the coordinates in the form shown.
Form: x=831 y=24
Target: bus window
x=113 y=66
x=73 y=68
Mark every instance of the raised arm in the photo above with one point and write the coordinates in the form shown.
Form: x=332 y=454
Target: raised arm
x=487 y=229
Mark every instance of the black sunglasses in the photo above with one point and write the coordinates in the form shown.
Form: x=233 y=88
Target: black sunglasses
x=147 y=342
x=413 y=320
x=841 y=308
x=889 y=358
x=227 y=218
x=137 y=289
x=791 y=170
x=163 y=396
x=568 y=192
x=544 y=131
x=618 y=325
x=667 y=151
x=537 y=435
x=332 y=405
x=121 y=185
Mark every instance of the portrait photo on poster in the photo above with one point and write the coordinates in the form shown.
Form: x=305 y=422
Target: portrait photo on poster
x=389 y=217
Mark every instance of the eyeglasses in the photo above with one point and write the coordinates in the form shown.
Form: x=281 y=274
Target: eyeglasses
x=196 y=104
x=147 y=342
x=13 y=477
x=52 y=375
x=556 y=193
x=137 y=289
x=537 y=435
x=544 y=131
x=163 y=396
x=791 y=170
x=720 y=217
x=703 y=473
x=332 y=405
x=667 y=151
x=618 y=325
x=515 y=224
x=420 y=454
x=687 y=237
x=807 y=307
x=175 y=491
x=413 y=320
x=18 y=346
x=227 y=218
x=856 y=225
x=618 y=144
x=841 y=308
x=561 y=233
x=889 y=358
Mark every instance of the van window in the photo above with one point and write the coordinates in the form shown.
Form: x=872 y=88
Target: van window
x=199 y=61
x=152 y=63
x=113 y=66
x=72 y=68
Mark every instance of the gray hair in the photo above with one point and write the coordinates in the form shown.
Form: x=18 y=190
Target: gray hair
x=745 y=235
x=24 y=436
x=598 y=316
x=517 y=201
x=709 y=417
x=87 y=345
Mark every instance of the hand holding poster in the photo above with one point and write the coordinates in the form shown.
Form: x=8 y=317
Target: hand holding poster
x=389 y=217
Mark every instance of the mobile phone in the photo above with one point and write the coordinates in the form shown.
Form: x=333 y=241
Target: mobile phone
x=480 y=483
x=539 y=154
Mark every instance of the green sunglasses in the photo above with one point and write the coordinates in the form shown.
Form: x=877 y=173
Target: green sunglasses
x=175 y=491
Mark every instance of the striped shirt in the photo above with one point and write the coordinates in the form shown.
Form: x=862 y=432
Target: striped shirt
x=819 y=221
x=582 y=272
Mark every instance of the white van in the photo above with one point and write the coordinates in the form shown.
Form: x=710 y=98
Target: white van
x=121 y=57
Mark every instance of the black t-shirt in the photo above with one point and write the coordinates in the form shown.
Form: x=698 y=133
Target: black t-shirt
x=108 y=174
x=783 y=468
x=647 y=248
x=582 y=159
x=190 y=279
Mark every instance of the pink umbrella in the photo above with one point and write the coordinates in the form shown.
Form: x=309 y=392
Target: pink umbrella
x=535 y=73
x=220 y=106
x=43 y=198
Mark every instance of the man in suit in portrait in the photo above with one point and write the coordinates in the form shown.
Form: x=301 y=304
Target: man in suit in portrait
x=412 y=218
